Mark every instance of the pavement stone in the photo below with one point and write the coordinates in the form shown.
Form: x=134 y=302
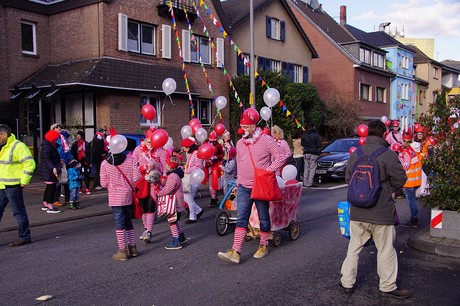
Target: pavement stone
x=95 y=204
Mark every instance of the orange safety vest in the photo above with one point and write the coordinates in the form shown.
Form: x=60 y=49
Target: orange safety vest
x=414 y=173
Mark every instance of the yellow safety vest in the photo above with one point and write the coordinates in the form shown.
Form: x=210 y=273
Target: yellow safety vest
x=16 y=163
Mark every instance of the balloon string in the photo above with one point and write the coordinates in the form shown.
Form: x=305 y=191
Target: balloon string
x=212 y=123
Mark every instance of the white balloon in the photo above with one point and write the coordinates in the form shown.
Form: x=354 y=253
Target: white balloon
x=197 y=176
x=169 y=86
x=281 y=182
x=186 y=131
x=271 y=97
x=289 y=173
x=118 y=144
x=168 y=144
x=384 y=119
x=265 y=113
x=221 y=102
x=201 y=135
x=456 y=125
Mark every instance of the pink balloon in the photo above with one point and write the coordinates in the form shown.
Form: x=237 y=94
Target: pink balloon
x=220 y=129
x=351 y=150
x=193 y=122
x=206 y=151
x=159 y=138
x=362 y=141
x=149 y=112
x=362 y=130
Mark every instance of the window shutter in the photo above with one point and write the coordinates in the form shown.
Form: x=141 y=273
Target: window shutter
x=166 y=41
x=186 y=46
x=291 y=71
x=239 y=65
x=269 y=26
x=284 y=68
x=305 y=74
x=283 y=30
x=122 y=32
x=220 y=52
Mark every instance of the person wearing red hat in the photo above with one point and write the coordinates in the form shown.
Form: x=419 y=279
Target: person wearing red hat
x=173 y=187
x=413 y=167
x=266 y=154
x=213 y=168
x=151 y=163
x=50 y=169
x=421 y=145
x=192 y=163
x=395 y=135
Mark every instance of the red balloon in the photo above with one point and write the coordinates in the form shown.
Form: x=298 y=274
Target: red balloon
x=195 y=127
x=388 y=123
x=206 y=151
x=362 y=130
x=149 y=112
x=396 y=147
x=351 y=150
x=193 y=122
x=266 y=131
x=362 y=141
x=159 y=138
x=220 y=129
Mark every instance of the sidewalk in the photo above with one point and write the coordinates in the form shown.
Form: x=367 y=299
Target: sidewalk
x=95 y=204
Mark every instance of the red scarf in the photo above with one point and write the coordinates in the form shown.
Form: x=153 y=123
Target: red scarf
x=81 y=149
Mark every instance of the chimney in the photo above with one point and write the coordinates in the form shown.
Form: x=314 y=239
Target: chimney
x=343 y=15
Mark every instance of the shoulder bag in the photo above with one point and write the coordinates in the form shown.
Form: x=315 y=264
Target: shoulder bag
x=138 y=211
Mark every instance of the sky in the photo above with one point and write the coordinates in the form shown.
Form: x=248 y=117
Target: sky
x=438 y=19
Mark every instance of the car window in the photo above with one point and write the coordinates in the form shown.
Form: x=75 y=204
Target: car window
x=341 y=145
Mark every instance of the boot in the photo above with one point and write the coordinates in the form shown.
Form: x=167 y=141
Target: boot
x=230 y=256
x=261 y=252
x=77 y=205
x=120 y=255
x=213 y=203
x=132 y=251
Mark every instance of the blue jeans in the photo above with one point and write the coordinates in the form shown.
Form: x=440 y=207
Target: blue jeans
x=410 y=195
x=75 y=194
x=123 y=217
x=244 y=201
x=15 y=196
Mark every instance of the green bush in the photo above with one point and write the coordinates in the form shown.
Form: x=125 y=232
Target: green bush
x=443 y=160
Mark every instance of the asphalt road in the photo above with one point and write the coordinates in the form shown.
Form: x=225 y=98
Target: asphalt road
x=71 y=261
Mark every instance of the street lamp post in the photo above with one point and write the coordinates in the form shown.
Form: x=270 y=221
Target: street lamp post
x=252 y=95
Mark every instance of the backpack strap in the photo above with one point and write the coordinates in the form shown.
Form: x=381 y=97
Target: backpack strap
x=359 y=151
x=378 y=152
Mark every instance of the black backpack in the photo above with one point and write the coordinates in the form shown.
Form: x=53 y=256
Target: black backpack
x=364 y=187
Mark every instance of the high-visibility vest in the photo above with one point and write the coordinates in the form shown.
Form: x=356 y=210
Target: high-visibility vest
x=414 y=173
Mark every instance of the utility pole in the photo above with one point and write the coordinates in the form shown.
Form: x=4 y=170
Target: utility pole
x=252 y=95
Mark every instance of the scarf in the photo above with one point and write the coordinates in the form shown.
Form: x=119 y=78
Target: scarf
x=81 y=149
x=64 y=144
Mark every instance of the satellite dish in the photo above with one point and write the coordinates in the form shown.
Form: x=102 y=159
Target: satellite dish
x=314 y=4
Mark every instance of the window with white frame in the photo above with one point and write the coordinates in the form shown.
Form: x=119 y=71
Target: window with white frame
x=242 y=64
x=29 y=37
x=365 y=55
x=155 y=101
x=435 y=72
x=275 y=66
x=201 y=48
x=141 y=38
x=203 y=111
x=405 y=62
x=405 y=91
x=379 y=60
x=365 y=92
x=275 y=28
x=381 y=94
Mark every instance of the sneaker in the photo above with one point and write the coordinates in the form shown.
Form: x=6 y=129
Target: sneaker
x=87 y=191
x=98 y=188
x=147 y=237
x=400 y=294
x=182 y=238
x=120 y=255
x=44 y=207
x=409 y=224
x=81 y=190
x=174 y=245
x=231 y=256
x=261 y=252
x=62 y=195
x=58 y=204
x=132 y=251
x=346 y=289
x=72 y=206
x=141 y=237
x=53 y=211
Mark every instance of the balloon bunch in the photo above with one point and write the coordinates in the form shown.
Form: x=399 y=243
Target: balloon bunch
x=362 y=132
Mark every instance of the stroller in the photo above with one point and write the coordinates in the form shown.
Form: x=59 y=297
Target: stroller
x=226 y=218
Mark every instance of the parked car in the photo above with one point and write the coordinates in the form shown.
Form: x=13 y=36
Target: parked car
x=133 y=141
x=334 y=159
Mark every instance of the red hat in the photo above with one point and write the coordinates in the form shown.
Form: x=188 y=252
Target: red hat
x=52 y=135
x=150 y=131
x=250 y=117
x=418 y=128
x=172 y=164
x=408 y=135
x=213 y=136
x=231 y=153
x=395 y=122
x=187 y=142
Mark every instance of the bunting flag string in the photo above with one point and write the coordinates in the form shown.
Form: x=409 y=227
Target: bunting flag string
x=214 y=48
x=242 y=56
x=187 y=88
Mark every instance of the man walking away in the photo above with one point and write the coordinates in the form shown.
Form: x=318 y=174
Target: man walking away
x=311 y=143
x=376 y=222
x=16 y=169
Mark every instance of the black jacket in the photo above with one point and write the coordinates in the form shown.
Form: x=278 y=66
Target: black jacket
x=311 y=142
x=74 y=149
x=49 y=159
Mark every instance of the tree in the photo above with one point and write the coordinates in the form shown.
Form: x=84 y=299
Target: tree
x=341 y=116
x=441 y=124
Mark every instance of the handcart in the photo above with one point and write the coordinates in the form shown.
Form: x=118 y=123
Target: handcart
x=227 y=216
x=283 y=216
